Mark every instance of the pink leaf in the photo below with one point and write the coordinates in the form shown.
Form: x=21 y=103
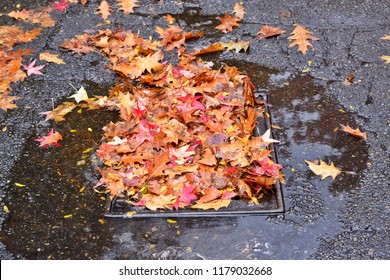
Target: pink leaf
x=60 y=6
x=188 y=194
x=32 y=69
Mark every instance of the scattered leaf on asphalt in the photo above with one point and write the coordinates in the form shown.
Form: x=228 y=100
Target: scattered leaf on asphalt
x=51 y=139
x=80 y=95
x=227 y=23
x=239 y=11
x=32 y=69
x=268 y=31
x=51 y=58
x=104 y=9
x=323 y=169
x=300 y=37
x=60 y=6
x=127 y=6
x=386 y=58
x=355 y=132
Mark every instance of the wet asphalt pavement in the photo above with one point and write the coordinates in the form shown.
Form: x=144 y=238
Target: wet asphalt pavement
x=345 y=218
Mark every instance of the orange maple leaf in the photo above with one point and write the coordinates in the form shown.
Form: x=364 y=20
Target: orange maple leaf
x=104 y=9
x=127 y=6
x=227 y=23
x=300 y=37
x=355 y=132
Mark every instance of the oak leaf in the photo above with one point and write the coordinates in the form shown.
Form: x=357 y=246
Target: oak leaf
x=154 y=202
x=236 y=46
x=227 y=23
x=239 y=11
x=23 y=14
x=355 y=132
x=301 y=37
x=323 y=169
x=216 y=204
x=104 y=9
x=268 y=31
x=127 y=6
x=159 y=164
x=50 y=140
x=51 y=58
x=6 y=102
x=59 y=113
x=386 y=37
x=386 y=58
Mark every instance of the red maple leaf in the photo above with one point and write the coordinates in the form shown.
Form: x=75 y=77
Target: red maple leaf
x=50 y=140
x=188 y=194
x=139 y=109
x=146 y=131
x=60 y=6
x=265 y=167
x=32 y=69
x=193 y=100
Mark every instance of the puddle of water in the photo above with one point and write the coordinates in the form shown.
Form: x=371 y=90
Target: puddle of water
x=37 y=229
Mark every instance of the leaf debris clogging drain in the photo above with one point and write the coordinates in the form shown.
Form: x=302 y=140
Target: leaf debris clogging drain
x=271 y=203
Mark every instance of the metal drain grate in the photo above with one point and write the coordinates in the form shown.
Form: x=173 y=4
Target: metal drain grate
x=271 y=203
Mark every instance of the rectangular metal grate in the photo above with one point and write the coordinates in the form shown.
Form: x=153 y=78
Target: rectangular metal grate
x=271 y=203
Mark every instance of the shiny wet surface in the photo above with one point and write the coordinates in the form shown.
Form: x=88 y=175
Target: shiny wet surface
x=58 y=182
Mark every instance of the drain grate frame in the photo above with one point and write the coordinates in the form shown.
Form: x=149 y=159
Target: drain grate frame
x=272 y=203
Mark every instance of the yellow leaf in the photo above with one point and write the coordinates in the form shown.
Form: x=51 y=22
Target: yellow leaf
x=323 y=169
x=5 y=207
x=216 y=204
x=89 y=129
x=102 y=221
x=68 y=216
x=171 y=221
x=4 y=129
x=19 y=185
x=386 y=58
x=130 y=213
x=51 y=58
x=87 y=150
x=82 y=189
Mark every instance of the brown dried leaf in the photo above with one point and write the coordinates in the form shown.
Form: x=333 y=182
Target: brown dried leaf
x=268 y=31
x=104 y=9
x=6 y=102
x=239 y=11
x=301 y=37
x=227 y=23
x=355 y=132
x=127 y=6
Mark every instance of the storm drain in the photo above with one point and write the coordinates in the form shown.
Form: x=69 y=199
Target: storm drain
x=271 y=203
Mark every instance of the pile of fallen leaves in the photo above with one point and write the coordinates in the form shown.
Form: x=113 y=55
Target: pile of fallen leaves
x=185 y=137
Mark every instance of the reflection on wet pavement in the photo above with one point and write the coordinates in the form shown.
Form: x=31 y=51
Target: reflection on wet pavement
x=57 y=186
